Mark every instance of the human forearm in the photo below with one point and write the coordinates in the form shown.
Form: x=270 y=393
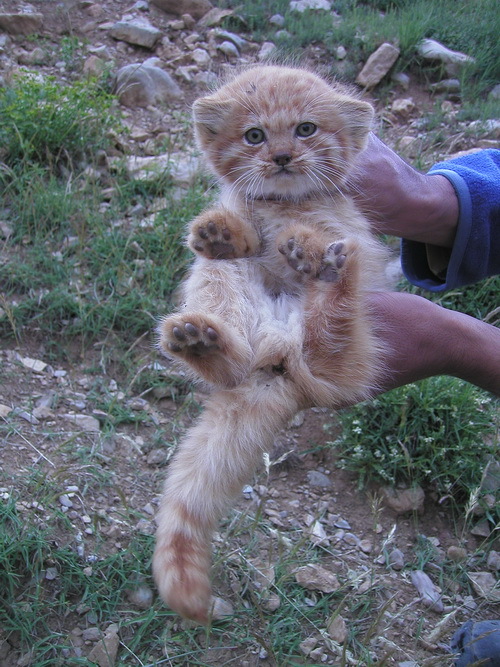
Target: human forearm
x=422 y=339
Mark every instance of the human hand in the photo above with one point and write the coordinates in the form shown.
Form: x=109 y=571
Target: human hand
x=399 y=200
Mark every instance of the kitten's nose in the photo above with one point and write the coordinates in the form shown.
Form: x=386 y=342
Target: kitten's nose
x=282 y=159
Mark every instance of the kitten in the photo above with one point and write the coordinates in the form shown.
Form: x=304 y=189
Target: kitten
x=273 y=313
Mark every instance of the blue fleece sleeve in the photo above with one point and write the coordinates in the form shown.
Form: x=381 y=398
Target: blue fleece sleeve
x=476 y=250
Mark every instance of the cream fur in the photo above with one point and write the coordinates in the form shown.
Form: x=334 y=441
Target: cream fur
x=273 y=313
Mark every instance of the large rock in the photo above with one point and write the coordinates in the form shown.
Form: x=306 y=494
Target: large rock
x=138 y=31
x=22 y=23
x=144 y=84
x=430 y=49
x=378 y=65
x=195 y=8
x=402 y=501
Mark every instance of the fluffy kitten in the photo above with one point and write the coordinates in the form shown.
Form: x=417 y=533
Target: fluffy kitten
x=273 y=313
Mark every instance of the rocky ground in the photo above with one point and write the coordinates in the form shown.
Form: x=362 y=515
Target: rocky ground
x=52 y=415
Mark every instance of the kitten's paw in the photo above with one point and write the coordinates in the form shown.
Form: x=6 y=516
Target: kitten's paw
x=296 y=256
x=189 y=336
x=334 y=261
x=218 y=234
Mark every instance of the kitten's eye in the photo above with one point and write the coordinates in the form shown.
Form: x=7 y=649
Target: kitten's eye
x=255 y=136
x=306 y=129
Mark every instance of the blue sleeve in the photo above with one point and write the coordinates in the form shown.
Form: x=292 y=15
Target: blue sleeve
x=476 y=250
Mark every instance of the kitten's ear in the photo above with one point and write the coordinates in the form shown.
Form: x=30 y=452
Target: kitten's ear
x=210 y=117
x=358 y=118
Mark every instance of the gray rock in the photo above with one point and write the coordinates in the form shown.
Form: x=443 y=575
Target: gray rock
x=378 y=65
x=277 y=19
x=302 y=5
x=446 y=86
x=494 y=93
x=316 y=478
x=316 y=578
x=396 y=559
x=137 y=31
x=430 y=49
x=402 y=501
x=105 y=651
x=142 y=85
x=196 y=8
x=22 y=23
x=428 y=592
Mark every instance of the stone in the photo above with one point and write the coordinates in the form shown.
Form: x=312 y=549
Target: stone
x=396 y=559
x=214 y=17
x=340 y=52
x=277 y=19
x=265 y=50
x=105 y=651
x=402 y=501
x=201 y=58
x=22 y=23
x=319 y=479
x=428 y=592
x=137 y=31
x=446 y=86
x=485 y=585
x=494 y=93
x=36 y=57
x=401 y=79
x=308 y=645
x=430 y=49
x=35 y=365
x=378 y=65
x=196 y=8
x=316 y=578
x=84 y=423
x=94 y=66
x=141 y=597
x=337 y=629
x=302 y=5
x=477 y=643
x=143 y=85
x=456 y=554
x=403 y=106
x=221 y=609
x=493 y=562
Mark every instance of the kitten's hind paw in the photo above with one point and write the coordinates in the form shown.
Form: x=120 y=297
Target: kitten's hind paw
x=219 y=234
x=333 y=262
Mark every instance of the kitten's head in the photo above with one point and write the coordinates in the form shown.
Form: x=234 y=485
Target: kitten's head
x=281 y=132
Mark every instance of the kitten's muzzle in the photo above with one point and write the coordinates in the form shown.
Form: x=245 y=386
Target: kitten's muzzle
x=282 y=159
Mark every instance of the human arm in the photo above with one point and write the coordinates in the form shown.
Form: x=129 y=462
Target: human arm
x=421 y=338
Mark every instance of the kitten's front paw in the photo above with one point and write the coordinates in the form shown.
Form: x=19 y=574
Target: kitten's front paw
x=306 y=254
x=218 y=234
x=188 y=336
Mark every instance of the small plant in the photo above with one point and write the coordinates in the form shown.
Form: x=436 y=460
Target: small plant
x=46 y=123
x=433 y=431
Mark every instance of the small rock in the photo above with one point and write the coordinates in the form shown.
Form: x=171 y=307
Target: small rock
x=277 y=19
x=317 y=533
x=493 y=562
x=5 y=410
x=396 y=560
x=316 y=578
x=456 y=554
x=428 y=592
x=340 y=52
x=84 y=423
x=141 y=597
x=366 y=546
x=158 y=457
x=265 y=50
x=430 y=49
x=378 y=65
x=446 y=86
x=137 y=31
x=337 y=629
x=403 y=107
x=221 y=608
x=302 y=5
x=94 y=66
x=402 y=501
x=35 y=365
x=105 y=651
x=316 y=478
x=143 y=85
x=401 y=79
x=485 y=585
x=21 y=23
x=494 y=93
x=481 y=529
x=65 y=501
x=91 y=634
x=271 y=603
x=308 y=645
x=195 y=8
x=214 y=17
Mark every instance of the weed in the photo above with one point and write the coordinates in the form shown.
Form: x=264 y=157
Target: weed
x=426 y=432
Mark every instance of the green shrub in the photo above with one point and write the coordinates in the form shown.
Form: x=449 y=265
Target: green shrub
x=43 y=122
x=434 y=431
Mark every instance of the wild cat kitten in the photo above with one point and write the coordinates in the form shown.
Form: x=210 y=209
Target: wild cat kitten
x=273 y=312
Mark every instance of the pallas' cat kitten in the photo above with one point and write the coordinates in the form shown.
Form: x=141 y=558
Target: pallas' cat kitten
x=273 y=313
